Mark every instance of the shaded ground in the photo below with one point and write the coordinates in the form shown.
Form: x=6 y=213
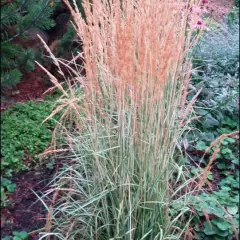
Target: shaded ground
x=31 y=87
x=25 y=212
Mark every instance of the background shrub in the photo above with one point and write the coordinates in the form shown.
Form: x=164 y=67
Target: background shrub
x=216 y=60
x=236 y=3
x=17 y=18
x=218 y=50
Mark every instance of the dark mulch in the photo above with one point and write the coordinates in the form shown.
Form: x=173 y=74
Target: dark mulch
x=31 y=87
x=25 y=211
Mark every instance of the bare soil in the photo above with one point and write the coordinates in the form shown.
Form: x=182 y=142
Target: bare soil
x=25 y=211
x=31 y=87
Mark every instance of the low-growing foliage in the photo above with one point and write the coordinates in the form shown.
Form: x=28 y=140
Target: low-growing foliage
x=222 y=210
x=217 y=50
x=23 y=135
x=7 y=187
x=217 y=55
x=17 y=235
x=217 y=59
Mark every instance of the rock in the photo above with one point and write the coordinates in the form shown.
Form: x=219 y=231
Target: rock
x=30 y=39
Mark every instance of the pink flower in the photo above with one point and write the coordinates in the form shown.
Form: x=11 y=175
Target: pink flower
x=200 y=24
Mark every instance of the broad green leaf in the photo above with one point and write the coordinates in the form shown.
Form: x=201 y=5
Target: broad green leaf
x=236 y=161
x=23 y=234
x=210 y=176
x=222 y=233
x=231 y=140
x=6 y=238
x=201 y=112
x=221 y=224
x=232 y=209
x=221 y=165
x=11 y=187
x=210 y=121
x=209 y=229
x=225 y=189
x=226 y=150
x=201 y=145
x=17 y=238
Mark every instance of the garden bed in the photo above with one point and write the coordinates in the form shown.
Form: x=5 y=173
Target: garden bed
x=25 y=212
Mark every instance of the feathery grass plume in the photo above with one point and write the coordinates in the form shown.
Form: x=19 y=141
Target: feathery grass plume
x=216 y=143
x=118 y=185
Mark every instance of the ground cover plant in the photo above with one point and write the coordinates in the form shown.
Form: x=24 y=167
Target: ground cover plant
x=217 y=62
x=221 y=206
x=23 y=138
x=121 y=180
x=24 y=135
x=17 y=236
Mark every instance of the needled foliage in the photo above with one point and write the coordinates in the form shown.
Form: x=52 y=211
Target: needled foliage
x=120 y=183
x=17 y=17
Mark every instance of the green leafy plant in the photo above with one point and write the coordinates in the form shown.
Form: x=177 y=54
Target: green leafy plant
x=17 y=235
x=236 y=3
x=7 y=187
x=228 y=157
x=218 y=212
x=20 y=235
x=23 y=135
x=217 y=103
x=233 y=15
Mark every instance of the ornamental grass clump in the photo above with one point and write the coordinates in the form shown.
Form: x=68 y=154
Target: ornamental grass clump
x=120 y=181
